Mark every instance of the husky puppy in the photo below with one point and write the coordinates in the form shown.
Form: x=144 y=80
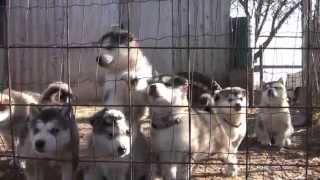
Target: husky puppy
x=51 y=133
x=110 y=141
x=117 y=60
x=273 y=124
x=14 y=117
x=219 y=133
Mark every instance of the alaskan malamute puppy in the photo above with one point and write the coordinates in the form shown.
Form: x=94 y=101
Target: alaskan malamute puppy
x=273 y=124
x=117 y=60
x=110 y=141
x=50 y=143
x=219 y=133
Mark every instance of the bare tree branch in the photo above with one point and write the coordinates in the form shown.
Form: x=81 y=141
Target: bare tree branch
x=275 y=27
x=260 y=26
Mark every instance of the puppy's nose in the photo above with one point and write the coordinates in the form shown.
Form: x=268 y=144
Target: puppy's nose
x=237 y=107
x=122 y=150
x=153 y=90
x=40 y=145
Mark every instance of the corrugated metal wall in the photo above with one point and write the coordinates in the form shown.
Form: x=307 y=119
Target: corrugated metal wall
x=155 y=23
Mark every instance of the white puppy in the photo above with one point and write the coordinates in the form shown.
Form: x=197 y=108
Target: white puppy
x=273 y=124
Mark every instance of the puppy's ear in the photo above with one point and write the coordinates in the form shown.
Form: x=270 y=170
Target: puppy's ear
x=98 y=115
x=92 y=120
x=280 y=80
x=215 y=86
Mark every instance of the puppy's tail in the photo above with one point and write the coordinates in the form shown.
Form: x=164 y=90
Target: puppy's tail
x=57 y=92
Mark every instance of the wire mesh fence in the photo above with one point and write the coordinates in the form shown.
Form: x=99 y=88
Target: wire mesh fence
x=149 y=99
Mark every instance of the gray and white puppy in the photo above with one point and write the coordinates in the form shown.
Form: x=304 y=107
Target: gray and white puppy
x=50 y=142
x=118 y=60
x=14 y=117
x=273 y=123
x=219 y=133
x=111 y=141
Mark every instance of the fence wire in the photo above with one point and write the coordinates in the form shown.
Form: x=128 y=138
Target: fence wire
x=46 y=41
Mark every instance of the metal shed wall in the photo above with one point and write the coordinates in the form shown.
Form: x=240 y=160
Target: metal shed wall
x=37 y=24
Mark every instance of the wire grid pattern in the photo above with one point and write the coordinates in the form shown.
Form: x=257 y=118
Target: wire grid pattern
x=188 y=44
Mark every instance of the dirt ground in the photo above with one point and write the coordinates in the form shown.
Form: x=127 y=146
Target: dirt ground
x=255 y=161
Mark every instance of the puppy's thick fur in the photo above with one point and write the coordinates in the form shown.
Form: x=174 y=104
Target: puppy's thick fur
x=118 y=61
x=219 y=133
x=110 y=141
x=273 y=121
x=14 y=117
x=51 y=133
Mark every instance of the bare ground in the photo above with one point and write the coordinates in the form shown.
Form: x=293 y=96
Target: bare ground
x=255 y=162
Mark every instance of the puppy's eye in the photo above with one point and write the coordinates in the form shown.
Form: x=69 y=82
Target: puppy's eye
x=35 y=130
x=241 y=99
x=167 y=84
x=54 y=131
x=128 y=132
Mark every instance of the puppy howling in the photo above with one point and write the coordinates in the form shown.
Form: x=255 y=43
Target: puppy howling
x=273 y=124
x=14 y=110
x=51 y=133
x=219 y=133
x=118 y=61
x=110 y=141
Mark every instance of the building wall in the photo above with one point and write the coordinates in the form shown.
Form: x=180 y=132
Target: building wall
x=44 y=26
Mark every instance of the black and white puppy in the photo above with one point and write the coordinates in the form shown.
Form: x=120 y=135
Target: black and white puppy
x=50 y=142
